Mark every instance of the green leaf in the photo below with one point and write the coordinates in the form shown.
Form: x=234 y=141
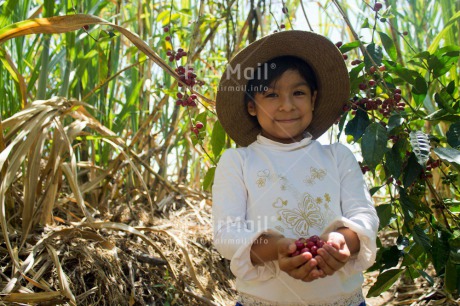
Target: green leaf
x=389 y=46
x=354 y=73
x=365 y=24
x=451 y=277
x=454 y=240
x=407 y=206
x=448 y=154
x=412 y=171
x=441 y=250
x=49 y=8
x=349 y=46
x=162 y=17
x=450 y=88
x=442 y=114
x=453 y=135
x=374 y=189
x=394 y=161
x=209 y=178
x=373 y=54
x=435 y=43
x=384 y=282
x=420 y=86
x=373 y=144
x=421 y=238
x=412 y=256
x=356 y=126
x=385 y=214
x=355 y=79
x=445 y=101
x=341 y=124
x=425 y=275
x=7 y=12
x=406 y=74
x=423 y=55
x=418 y=99
x=455 y=257
x=395 y=121
x=378 y=258
x=7 y=66
x=442 y=62
x=217 y=138
x=390 y=257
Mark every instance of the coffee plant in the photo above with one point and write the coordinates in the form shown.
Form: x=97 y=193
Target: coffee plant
x=403 y=113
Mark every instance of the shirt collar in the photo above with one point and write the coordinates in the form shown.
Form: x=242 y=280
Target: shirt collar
x=271 y=144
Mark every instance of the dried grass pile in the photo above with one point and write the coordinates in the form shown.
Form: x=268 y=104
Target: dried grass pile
x=75 y=233
x=110 y=263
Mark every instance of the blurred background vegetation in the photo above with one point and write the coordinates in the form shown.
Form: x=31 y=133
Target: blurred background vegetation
x=115 y=152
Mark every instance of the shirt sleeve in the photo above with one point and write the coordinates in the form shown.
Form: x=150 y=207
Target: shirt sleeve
x=358 y=211
x=233 y=237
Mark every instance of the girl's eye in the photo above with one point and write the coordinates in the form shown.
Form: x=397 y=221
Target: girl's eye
x=298 y=93
x=270 y=95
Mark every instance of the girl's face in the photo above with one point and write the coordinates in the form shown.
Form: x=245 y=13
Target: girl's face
x=285 y=110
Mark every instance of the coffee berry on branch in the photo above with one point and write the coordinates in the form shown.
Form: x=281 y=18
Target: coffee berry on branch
x=310 y=245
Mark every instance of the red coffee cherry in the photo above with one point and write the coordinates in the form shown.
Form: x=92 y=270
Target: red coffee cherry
x=310 y=245
x=362 y=86
x=378 y=6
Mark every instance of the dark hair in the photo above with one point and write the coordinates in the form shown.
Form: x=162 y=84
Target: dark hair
x=272 y=70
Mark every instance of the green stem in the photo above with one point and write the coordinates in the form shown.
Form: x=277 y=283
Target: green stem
x=43 y=76
x=305 y=15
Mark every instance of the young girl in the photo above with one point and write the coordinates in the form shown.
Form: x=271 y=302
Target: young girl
x=275 y=98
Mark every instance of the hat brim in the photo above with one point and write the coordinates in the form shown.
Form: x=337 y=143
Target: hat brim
x=319 y=52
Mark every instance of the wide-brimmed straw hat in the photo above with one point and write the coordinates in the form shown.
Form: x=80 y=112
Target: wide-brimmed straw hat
x=320 y=53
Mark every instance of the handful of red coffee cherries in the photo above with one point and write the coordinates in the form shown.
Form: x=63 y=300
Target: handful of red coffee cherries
x=311 y=245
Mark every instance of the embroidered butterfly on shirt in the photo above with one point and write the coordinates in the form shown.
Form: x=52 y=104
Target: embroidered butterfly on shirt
x=301 y=219
x=315 y=174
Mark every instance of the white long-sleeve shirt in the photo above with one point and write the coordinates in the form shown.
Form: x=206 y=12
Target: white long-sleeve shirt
x=299 y=190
